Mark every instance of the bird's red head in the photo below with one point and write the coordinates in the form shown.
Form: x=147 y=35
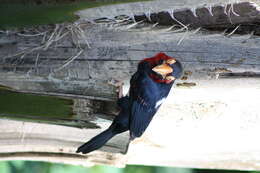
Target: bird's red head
x=164 y=68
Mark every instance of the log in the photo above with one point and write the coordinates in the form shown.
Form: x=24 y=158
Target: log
x=210 y=119
x=46 y=142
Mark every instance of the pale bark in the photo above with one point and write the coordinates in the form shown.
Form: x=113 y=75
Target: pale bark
x=210 y=119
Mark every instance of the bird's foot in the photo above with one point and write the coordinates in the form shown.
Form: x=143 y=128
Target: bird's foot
x=118 y=85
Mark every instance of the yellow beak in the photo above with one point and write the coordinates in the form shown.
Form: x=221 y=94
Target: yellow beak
x=163 y=69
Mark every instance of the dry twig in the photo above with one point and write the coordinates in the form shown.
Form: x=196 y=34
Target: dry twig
x=52 y=36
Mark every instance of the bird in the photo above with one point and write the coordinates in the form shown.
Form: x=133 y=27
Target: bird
x=149 y=87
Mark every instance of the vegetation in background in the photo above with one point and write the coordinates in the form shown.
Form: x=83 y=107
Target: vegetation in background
x=45 y=167
x=29 y=14
x=14 y=103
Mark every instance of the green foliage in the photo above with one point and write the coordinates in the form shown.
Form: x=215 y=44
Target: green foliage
x=220 y=171
x=21 y=15
x=28 y=167
x=140 y=169
x=45 y=167
x=59 y=168
x=4 y=167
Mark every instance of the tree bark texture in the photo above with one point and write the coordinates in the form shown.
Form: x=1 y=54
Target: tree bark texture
x=210 y=119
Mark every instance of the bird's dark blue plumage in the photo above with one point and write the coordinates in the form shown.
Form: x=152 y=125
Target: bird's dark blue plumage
x=119 y=125
x=148 y=90
x=147 y=95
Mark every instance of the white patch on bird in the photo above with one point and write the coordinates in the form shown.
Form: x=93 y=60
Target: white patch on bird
x=159 y=102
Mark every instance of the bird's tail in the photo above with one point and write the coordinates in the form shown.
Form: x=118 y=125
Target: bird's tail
x=96 y=142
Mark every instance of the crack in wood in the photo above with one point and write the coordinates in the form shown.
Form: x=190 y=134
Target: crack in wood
x=186 y=84
x=247 y=74
x=45 y=154
x=77 y=123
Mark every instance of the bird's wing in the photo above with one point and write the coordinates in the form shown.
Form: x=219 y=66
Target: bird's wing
x=143 y=105
x=140 y=119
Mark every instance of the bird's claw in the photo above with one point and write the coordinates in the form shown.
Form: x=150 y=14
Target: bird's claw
x=118 y=85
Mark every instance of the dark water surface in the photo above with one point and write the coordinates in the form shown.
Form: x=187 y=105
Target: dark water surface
x=14 y=14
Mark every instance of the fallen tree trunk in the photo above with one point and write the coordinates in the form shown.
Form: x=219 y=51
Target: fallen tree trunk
x=209 y=120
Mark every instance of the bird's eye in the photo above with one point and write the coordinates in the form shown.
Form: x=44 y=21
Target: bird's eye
x=162 y=61
x=171 y=61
